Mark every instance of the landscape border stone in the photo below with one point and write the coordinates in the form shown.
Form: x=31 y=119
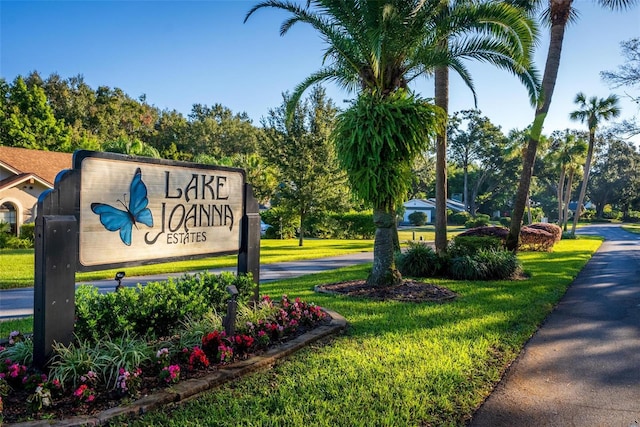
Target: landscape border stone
x=191 y=388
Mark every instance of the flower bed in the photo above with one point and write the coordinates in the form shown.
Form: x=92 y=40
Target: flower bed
x=78 y=383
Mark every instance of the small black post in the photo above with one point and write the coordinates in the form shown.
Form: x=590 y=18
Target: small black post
x=229 y=320
x=249 y=254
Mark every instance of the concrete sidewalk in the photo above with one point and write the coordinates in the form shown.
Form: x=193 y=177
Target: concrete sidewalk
x=16 y=303
x=582 y=367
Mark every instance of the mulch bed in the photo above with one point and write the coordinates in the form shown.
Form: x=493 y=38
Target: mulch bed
x=408 y=291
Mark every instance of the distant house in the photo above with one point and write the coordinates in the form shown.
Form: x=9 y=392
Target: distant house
x=428 y=206
x=24 y=175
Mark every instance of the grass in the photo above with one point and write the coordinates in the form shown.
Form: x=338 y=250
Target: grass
x=632 y=228
x=20 y=274
x=21 y=261
x=24 y=325
x=426 y=232
x=399 y=364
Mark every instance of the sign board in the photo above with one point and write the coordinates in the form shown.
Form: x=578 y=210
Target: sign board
x=148 y=209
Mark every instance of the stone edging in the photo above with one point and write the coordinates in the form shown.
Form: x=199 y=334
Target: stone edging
x=190 y=388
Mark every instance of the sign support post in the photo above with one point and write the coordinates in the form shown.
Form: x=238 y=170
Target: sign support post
x=249 y=254
x=54 y=292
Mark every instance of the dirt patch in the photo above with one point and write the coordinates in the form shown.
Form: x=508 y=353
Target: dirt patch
x=408 y=291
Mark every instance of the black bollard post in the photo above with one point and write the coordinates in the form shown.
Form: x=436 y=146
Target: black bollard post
x=229 y=320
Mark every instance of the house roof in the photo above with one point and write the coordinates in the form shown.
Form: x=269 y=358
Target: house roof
x=43 y=164
x=12 y=181
x=431 y=203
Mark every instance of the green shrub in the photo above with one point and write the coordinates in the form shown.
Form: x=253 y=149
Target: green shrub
x=283 y=223
x=357 y=224
x=486 y=264
x=498 y=264
x=608 y=212
x=480 y=220
x=419 y=260
x=505 y=221
x=156 y=309
x=13 y=242
x=459 y=218
x=632 y=216
x=590 y=215
x=418 y=218
x=27 y=231
x=469 y=245
x=332 y=225
x=466 y=267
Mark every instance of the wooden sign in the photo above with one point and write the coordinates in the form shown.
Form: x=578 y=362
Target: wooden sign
x=138 y=209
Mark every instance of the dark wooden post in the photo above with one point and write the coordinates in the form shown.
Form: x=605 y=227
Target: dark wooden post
x=56 y=247
x=249 y=254
x=54 y=291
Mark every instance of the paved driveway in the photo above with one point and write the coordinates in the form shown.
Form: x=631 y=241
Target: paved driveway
x=582 y=367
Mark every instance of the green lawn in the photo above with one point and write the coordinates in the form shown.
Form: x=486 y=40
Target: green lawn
x=399 y=364
x=20 y=273
x=427 y=233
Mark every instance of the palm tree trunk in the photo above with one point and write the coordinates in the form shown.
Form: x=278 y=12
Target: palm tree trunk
x=585 y=181
x=441 y=79
x=567 y=198
x=466 y=186
x=560 y=193
x=559 y=16
x=384 y=272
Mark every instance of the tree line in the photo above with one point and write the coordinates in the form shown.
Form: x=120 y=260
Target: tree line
x=375 y=51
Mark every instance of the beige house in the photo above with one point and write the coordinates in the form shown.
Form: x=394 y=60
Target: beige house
x=24 y=175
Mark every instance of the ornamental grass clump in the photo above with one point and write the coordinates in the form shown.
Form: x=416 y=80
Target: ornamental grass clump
x=419 y=260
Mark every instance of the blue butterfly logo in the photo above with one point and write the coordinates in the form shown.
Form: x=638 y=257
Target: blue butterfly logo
x=114 y=219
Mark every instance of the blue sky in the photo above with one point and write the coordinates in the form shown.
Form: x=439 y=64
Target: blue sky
x=187 y=52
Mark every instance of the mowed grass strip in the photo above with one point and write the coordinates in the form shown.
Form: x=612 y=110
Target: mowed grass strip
x=17 y=270
x=399 y=364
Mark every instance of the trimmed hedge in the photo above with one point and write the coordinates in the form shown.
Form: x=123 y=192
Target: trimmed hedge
x=480 y=220
x=553 y=229
x=535 y=237
x=155 y=309
x=459 y=218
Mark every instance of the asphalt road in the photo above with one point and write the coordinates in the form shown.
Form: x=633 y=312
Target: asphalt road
x=16 y=303
x=582 y=367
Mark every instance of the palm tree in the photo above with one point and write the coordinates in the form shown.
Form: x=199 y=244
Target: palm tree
x=376 y=48
x=592 y=111
x=568 y=150
x=558 y=14
x=461 y=21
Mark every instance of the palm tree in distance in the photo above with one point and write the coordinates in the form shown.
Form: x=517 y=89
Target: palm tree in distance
x=558 y=14
x=376 y=49
x=592 y=111
x=568 y=150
